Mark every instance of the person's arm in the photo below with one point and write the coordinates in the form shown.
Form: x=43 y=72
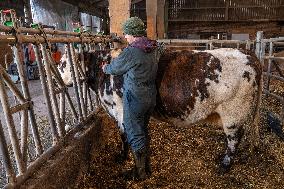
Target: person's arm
x=121 y=64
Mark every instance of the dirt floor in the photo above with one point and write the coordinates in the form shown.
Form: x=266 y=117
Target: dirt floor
x=189 y=158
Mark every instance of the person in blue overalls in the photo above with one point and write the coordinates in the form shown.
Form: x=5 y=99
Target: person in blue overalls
x=138 y=65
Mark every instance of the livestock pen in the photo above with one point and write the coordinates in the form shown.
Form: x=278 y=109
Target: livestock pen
x=175 y=165
x=19 y=115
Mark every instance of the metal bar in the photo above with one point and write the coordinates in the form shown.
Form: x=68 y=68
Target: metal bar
x=189 y=46
x=259 y=37
x=77 y=77
x=269 y=66
x=200 y=41
x=273 y=57
x=222 y=7
x=58 y=78
x=248 y=45
x=211 y=46
x=12 y=86
x=39 y=39
x=275 y=76
x=17 y=51
x=83 y=73
x=49 y=31
x=17 y=102
x=273 y=40
x=62 y=107
x=278 y=43
x=46 y=95
x=59 y=90
x=281 y=99
x=51 y=91
x=20 y=107
x=71 y=59
x=10 y=174
x=24 y=135
x=11 y=127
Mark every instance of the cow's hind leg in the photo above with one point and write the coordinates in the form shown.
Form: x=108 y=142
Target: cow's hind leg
x=122 y=156
x=234 y=133
x=123 y=153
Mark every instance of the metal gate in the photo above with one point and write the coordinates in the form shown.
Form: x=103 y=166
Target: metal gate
x=265 y=51
x=14 y=149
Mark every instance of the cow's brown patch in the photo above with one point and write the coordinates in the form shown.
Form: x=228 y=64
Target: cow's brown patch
x=247 y=75
x=118 y=84
x=97 y=80
x=181 y=78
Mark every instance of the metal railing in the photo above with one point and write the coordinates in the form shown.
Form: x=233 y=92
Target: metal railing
x=207 y=44
x=55 y=95
x=262 y=53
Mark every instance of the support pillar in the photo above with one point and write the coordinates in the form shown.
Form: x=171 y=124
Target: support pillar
x=119 y=11
x=155 y=10
x=151 y=11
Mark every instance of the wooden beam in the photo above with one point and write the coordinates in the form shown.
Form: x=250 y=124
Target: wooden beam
x=151 y=11
x=161 y=19
x=119 y=11
x=93 y=10
x=136 y=1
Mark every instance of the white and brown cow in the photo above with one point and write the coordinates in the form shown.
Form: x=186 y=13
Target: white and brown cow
x=222 y=85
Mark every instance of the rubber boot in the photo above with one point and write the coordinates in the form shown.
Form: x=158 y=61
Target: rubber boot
x=148 y=168
x=138 y=172
x=140 y=164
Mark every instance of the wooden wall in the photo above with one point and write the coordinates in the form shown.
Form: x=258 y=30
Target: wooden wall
x=206 y=17
x=228 y=10
x=181 y=18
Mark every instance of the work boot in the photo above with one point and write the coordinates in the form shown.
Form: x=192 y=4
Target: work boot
x=148 y=168
x=138 y=172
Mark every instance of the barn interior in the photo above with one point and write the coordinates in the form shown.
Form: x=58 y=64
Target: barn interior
x=54 y=134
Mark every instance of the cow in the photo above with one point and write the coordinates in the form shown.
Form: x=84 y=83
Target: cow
x=221 y=86
x=65 y=69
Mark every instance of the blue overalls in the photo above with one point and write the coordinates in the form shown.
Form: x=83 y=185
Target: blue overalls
x=139 y=70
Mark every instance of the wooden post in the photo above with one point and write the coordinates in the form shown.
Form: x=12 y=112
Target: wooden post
x=161 y=19
x=119 y=11
x=151 y=11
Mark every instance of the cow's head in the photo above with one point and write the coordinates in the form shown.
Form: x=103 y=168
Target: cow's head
x=95 y=76
x=63 y=63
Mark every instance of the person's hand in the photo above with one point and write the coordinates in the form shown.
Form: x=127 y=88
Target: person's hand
x=103 y=66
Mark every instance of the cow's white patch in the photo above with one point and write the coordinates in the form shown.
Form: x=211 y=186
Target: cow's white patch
x=65 y=72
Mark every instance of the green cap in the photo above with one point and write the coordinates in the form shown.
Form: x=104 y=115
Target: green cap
x=134 y=26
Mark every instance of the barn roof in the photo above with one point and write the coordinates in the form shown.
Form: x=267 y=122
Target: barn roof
x=95 y=7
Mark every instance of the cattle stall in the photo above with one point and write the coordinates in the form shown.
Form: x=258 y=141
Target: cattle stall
x=21 y=142
x=180 y=155
x=267 y=47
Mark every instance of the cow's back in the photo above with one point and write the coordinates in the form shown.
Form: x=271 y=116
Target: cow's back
x=194 y=84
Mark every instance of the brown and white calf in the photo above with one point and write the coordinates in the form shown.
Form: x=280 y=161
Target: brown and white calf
x=221 y=86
